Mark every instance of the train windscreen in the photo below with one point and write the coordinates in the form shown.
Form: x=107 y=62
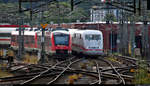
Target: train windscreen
x=61 y=39
x=92 y=37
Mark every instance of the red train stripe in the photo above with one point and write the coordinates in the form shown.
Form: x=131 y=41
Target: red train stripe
x=4 y=39
x=86 y=49
x=36 y=40
x=13 y=26
x=70 y=42
x=53 y=43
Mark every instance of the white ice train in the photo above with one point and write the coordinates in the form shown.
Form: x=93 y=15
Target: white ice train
x=87 y=42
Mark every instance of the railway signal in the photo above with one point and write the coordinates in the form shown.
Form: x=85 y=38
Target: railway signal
x=42 y=43
x=44 y=26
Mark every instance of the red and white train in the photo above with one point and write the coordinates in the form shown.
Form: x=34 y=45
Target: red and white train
x=57 y=42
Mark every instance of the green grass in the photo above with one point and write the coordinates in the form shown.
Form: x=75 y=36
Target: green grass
x=141 y=75
x=4 y=73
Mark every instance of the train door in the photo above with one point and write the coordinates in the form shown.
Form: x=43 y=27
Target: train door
x=113 y=42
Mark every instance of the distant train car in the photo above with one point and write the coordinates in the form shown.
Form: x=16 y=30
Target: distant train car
x=5 y=36
x=47 y=41
x=87 y=42
x=60 y=42
x=30 y=40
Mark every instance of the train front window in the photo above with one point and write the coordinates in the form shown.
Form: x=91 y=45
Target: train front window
x=61 y=39
x=92 y=37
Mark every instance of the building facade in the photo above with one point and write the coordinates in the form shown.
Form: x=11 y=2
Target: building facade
x=98 y=14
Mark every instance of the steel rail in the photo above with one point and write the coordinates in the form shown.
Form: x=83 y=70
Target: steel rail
x=99 y=73
x=122 y=79
x=63 y=71
x=44 y=72
x=93 y=74
x=94 y=82
x=103 y=74
x=120 y=68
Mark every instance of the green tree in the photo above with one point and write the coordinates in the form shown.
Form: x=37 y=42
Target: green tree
x=110 y=17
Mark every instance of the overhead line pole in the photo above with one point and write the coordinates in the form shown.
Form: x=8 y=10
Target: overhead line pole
x=58 y=20
x=31 y=14
x=20 y=49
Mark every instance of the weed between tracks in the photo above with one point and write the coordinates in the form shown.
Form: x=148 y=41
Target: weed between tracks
x=141 y=74
x=30 y=59
x=112 y=58
x=4 y=72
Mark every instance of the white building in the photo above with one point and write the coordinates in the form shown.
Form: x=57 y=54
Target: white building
x=98 y=13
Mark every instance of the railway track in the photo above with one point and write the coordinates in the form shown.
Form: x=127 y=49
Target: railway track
x=63 y=71
x=53 y=73
x=35 y=77
x=119 y=75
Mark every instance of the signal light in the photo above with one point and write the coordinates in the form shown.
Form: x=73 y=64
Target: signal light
x=44 y=25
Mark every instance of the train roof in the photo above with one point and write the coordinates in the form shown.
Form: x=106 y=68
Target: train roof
x=25 y=32
x=103 y=22
x=88 y=31
x=7 y=29
x=61 y=31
